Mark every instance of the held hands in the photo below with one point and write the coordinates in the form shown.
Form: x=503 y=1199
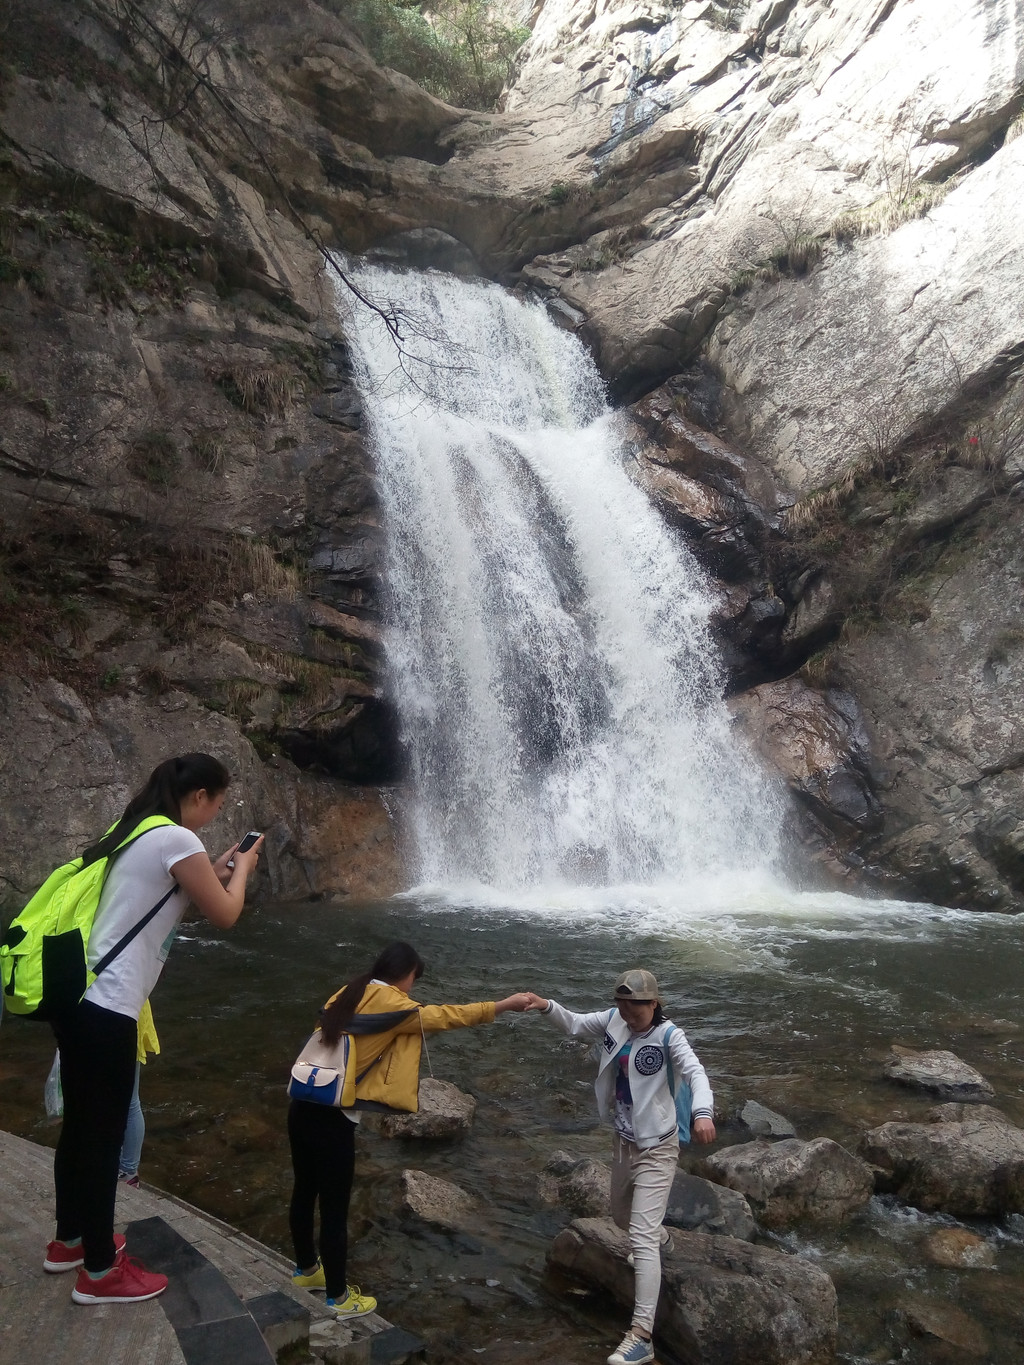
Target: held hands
x=521 y=1003
x=704 y=1130
x=516 y=1003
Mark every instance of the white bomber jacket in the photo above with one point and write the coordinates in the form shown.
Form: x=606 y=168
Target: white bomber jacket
x=654 y=1109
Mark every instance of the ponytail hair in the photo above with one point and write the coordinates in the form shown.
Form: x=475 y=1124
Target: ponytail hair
x=395 y=962
x=162 y=795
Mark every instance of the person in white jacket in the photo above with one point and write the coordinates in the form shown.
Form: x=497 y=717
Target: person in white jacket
x=644 y=1061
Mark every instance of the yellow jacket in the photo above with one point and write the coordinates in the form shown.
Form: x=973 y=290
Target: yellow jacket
x=385 y=1067
x=146 y=1041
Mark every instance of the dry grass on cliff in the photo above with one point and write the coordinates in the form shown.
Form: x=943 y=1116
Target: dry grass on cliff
x=885 y=215
x=192 y=573
x=261 y=390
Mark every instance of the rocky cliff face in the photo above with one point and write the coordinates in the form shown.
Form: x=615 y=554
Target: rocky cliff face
x=787 y=229
x=831 y=277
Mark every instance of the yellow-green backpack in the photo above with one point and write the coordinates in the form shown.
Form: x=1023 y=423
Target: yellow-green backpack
x=43 y=967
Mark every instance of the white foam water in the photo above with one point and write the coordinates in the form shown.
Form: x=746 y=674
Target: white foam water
x=550 y=657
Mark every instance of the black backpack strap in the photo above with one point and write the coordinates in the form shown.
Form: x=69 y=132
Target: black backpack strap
x=123 y=943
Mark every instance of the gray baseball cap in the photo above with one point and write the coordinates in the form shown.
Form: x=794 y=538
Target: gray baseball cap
x=636 y=985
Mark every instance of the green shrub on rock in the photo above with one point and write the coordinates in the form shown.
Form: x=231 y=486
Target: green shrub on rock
x=459 y=50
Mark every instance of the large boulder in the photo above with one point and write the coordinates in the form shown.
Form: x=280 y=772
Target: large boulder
x=583 y=1186
x=721 y=1299
x=444 y=1112
x=968 y=1161
x=790 y=1180
x=941 y=1072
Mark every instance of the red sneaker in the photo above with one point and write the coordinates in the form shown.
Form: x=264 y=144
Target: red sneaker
x=60 y=1257
x=127 y=1281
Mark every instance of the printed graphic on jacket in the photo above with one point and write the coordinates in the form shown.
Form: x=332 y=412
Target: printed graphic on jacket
x=649 y=1060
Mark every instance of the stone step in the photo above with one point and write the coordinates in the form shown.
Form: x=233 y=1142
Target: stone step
x=231 y=1299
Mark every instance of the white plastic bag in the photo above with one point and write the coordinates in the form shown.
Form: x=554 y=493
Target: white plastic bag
x=52 y=1092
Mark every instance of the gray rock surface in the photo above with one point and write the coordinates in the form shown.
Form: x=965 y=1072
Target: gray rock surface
x=968 y=1161
x=817 y=741
x=765 y=1122
x=791 y=1180
x=437 y=1201
x=943 y=1073
x=721 y=1299
x=79 y=762
x=698 y=1205
x=444 y=1112
x=578 y=1184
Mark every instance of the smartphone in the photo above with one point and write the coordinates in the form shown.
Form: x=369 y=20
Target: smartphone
x=245 y=844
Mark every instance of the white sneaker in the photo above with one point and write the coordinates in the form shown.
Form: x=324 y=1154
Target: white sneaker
x=632 y=1350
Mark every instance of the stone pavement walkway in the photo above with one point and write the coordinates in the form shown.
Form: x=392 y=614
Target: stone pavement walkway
x=230 y=1302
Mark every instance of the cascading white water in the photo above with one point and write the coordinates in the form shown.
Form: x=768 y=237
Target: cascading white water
x=548 y=644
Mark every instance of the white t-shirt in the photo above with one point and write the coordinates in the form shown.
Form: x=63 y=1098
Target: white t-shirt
x=140 y=877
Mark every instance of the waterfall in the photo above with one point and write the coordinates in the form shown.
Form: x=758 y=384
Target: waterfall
x=559 y=694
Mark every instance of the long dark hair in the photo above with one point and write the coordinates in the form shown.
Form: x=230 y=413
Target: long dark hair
x=162 y=795
x=395 y=962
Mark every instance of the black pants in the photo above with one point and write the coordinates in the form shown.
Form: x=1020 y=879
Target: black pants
x=323 y=1143
x=97 y=1073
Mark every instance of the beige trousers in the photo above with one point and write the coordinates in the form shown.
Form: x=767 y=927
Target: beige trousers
x=641 y=1185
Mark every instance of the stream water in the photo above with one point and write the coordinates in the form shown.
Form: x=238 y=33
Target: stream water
x=794 y=1003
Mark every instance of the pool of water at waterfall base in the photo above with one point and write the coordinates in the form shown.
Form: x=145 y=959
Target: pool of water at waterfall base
x=794 y=1003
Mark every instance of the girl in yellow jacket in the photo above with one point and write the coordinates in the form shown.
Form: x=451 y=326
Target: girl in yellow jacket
x=385 y=1029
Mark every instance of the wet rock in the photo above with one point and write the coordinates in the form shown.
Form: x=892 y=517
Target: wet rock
x=721 y=1299
x=580 y=1185
x=764 y=1122
x=343 y=408
x=790 y=1180
x=959 y=1249
x=437 y=1201
x=698 y=1205
x=720 y=498
x=968 y=1161
x=941 y=1072
x=818 y=741
x=426 y=249
x=444 y=1112
x=946 y=1323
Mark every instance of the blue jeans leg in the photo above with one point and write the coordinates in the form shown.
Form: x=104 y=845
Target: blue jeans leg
x=134 y=1133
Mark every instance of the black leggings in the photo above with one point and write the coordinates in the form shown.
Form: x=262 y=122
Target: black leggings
x=323 y=1143
x=97 y=1074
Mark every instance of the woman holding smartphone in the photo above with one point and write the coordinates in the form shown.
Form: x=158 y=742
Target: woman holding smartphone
x=166 y=866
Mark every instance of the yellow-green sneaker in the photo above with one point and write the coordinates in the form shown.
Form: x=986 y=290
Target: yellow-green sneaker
x=314 y=1281
x=354 y=1306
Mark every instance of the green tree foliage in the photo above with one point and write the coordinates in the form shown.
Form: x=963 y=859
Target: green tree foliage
x=459 y=50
